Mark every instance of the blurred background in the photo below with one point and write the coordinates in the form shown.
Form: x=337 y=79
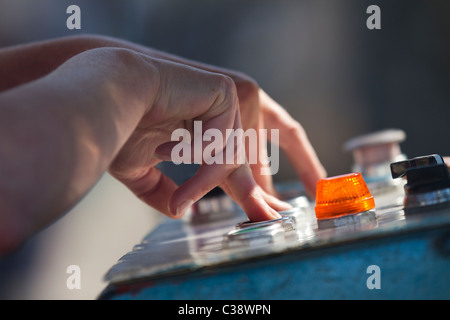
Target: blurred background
x=317 y=58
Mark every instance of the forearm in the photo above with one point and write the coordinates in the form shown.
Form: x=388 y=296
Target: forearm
x=58 y=135
x=23 y=63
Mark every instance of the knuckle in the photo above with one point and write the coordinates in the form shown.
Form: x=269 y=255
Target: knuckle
x=115 y=61
x=130 y=71
x=235 y=162
x=226 y=82
x=247 y=90
x=295 y=129
x=126 y=57
x=227 y=89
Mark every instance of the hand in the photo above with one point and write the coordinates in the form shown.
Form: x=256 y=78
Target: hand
x=57 y=81
x=258 y=110
x=112 y=108
x=186 y=94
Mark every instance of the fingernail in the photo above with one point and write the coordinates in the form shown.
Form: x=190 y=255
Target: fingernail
x=275 y=214
x=184 y=207
x=283 y=205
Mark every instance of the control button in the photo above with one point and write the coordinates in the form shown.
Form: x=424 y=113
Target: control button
x=294 y=212
x=428 y=181
x=425 y=179
x=380 y=138
x=342 y=195
x=260 y=233
x=372 y=155
x=300 y=206
x=399 y=168
x=284 y=222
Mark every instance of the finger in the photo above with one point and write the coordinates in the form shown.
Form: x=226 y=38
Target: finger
x=258 y=205
x=259 y=161
x=252 y=120
x=271 y=200
x=187 y=94
x=447 y=161
x=208 y=100
x=243 y=188
x=295 y=143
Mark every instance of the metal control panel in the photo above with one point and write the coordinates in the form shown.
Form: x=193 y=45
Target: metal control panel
x=216 y=253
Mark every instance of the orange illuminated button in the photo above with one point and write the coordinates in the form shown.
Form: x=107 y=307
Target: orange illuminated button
x=342 y=195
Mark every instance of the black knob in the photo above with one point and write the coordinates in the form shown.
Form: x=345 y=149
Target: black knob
x=399 y=169
x=425 y=179
x=423 y=174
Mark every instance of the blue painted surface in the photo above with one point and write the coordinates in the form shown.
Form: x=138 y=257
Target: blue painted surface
x=413 y=266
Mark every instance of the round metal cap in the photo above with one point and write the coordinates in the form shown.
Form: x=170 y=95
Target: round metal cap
x=376 y=138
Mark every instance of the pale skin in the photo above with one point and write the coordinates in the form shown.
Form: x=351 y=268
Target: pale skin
x=73 y=108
